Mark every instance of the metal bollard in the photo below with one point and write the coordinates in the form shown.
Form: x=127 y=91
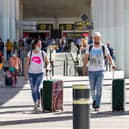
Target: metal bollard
x=52 y=65
x=81 y=107
x=64 y=68
x=67 y=67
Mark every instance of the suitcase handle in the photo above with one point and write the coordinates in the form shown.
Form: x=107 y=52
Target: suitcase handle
x=47 y=75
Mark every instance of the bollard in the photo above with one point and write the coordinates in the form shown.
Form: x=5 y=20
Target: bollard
x=81 y=107
x=67 y=67
x=52 y=65
x=75 y=69
x=50 y=55
x=64 y=68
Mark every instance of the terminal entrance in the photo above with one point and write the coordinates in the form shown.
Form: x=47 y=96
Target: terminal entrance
x=56 y=34
x=54 y=17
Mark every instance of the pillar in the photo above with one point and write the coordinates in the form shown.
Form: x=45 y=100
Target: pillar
x=109 y=22
x=4 y=20
x=99 y=17
x=12 y=21
x=119 y=32
x=126 y=49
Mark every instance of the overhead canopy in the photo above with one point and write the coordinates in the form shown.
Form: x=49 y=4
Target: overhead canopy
x=55 y=8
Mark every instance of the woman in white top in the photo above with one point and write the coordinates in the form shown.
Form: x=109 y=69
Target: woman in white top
x=34 y=70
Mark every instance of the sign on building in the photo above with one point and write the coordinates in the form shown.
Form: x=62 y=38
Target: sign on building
x=44 y=26
x=66 y=26
x=27 y=23
x=29 y=27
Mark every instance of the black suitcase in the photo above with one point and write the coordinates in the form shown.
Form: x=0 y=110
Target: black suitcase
x=118 y=93
x=8 y=81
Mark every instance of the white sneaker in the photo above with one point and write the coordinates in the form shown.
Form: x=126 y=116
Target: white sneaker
x=35 y=107
x=38 y=104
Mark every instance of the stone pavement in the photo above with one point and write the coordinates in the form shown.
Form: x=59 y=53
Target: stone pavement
x=16 y=107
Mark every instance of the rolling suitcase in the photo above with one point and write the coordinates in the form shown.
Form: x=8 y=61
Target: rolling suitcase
x=118 y=93
x=52 y=95
x=8 y=78
x=8 y=81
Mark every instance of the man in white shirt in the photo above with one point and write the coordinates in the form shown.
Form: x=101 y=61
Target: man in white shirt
x=95 y=58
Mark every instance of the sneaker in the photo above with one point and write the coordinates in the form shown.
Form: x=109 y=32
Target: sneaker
x=38 y=104
x=97 y=109
x=94 y=104
x=35 y=107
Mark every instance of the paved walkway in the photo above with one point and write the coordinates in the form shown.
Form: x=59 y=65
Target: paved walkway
x=16 y=108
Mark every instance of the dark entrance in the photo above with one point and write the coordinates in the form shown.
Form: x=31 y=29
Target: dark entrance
x=56 y=34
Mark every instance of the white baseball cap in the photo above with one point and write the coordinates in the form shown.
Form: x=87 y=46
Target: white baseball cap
x=97 y=34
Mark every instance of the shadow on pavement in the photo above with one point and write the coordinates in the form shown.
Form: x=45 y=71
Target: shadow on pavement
x=13 y=112
x=21 y=106
x=36 y=120
x=7 y=93
x=60 y=118
x=108 y=114
x=65 y=112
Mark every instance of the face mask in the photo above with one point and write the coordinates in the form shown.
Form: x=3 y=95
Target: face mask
x=37 y=48
x=14 y=55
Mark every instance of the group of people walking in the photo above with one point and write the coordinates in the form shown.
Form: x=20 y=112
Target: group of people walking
x=93 y=57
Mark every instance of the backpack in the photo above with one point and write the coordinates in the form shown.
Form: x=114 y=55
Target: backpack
x=103 y=49
x=1 y=59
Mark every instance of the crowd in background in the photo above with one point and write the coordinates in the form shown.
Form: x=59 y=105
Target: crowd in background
x=23 y=46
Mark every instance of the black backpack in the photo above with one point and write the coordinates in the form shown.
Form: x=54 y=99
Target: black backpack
x=1 y=58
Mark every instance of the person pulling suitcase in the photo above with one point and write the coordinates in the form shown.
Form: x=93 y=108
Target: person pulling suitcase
x=95 y=58
x=34 y=70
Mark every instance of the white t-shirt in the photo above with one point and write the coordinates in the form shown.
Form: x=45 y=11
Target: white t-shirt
x=96 y=62
x=36 y=63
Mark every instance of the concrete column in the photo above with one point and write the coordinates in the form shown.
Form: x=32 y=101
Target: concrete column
x=109 y=21
x=20 y=18
x=126 y=49
x=102 y=15
x=95 y=14
x=99 y=17
x=119 y=32
x=4 y=20
x=17 y=11
x=12 y=21
x=1 y=18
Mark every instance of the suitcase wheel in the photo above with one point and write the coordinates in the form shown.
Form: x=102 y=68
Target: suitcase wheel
x=62 y=109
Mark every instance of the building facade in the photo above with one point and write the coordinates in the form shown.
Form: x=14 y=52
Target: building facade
x=111 y=19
